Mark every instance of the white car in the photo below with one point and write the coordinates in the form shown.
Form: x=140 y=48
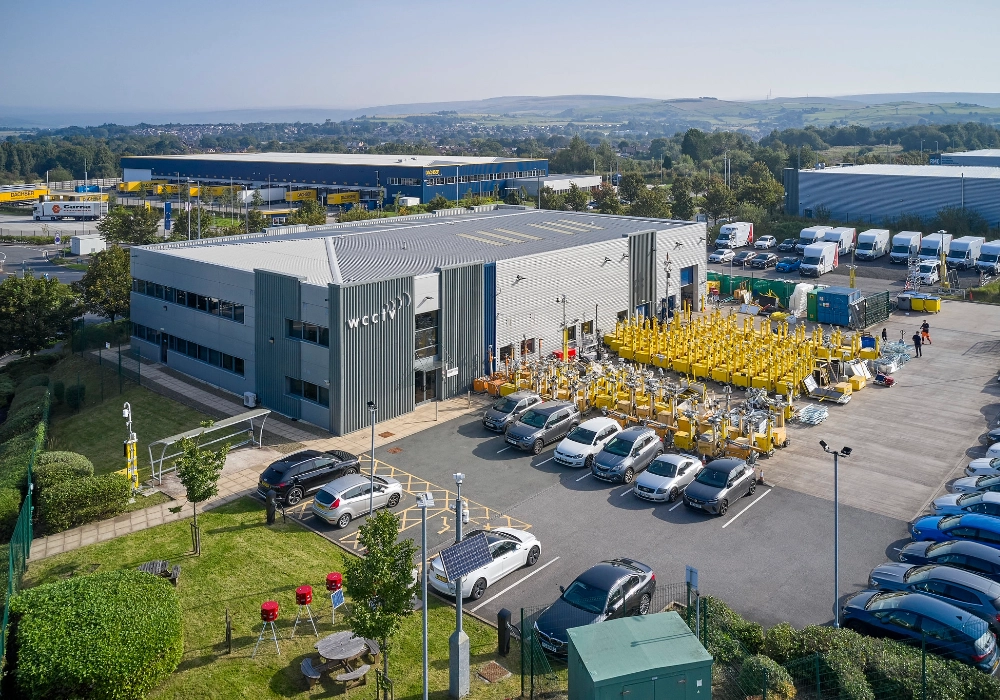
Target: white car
x=511 y=550
x=987 y=466
x=993 y=450
x=582 y=443
x=972 y=484
x=928 y=273
x=986 y=502
x=722 y=255
x=766 y=242
x=666 y=477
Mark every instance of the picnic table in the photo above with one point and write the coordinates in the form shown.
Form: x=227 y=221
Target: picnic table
x=339 y=650
x=343 y=647
x=162 y=568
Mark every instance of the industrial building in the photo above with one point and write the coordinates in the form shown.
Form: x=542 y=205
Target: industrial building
x=987 y=157
x=400 y=311
x=421 y=177
x=878 y=193
x=559 y=184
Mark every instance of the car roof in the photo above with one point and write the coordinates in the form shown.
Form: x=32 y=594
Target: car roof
x=725 y=465
x=966 y=578
x=597 y=423
x=973 y=549
x=605 y=575
x=550 y=407
x=294 y=459
x=346 y=482
x=985 y=522
x=522 y=394
x=925 y=605
x=634 y=432
x=675 y=458
x=500 y=533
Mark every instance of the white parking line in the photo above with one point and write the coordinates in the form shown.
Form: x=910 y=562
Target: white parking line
x=492 y=598
x=746 y=509
x=545 y=462
x=584 y=476
x=626 y=491
x=504 y=449
x=673 y=508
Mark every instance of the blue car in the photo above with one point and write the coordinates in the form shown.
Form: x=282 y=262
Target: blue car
x=972 y=526
x=788 y=264
x=948 y=631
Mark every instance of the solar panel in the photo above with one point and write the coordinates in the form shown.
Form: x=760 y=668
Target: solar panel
x=462 y=558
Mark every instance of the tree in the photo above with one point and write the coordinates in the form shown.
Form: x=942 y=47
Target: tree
x=758 y=187
x=256 y=200
x=607 y=199
x=667 y=163
x=651 y=204
x=179 y=225
x=578 y=157
x=658 y=148
x=439 y=202
x=107 y=286
x=311 y=213
x=960 y=222
x=256 y=221
x=34 y=313
x=132 y=225
x=551 y=200
x=683 y=203
x=695 y=145
x=630 y=186
x=199 y=470
x=577 y=199
x=381 y=584
x=718 y=200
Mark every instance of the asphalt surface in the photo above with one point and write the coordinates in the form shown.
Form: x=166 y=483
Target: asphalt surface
x=19 y=257
x=771 y=557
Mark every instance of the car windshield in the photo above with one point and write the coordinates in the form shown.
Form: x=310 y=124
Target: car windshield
x=995 y=463
x=866 y=245
x=788 y=241
x=713 y=477
x=586 y=597
x=763 y=256
x=504 y=405
x=967 y=499
x=582 y=435
x=945 y=523
x=619 y=447
x=938 y=545
x=662 y=468
x=721 y=251
x=918 y=573
x=810 y=261
x=987 y=481
x=325 y=498
x=884 y=600
x=789 y=261
x=927 y=268
x=988 y=257
x=534 y=419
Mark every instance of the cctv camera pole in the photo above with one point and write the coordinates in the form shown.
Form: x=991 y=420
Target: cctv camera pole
x=836 y=527
x=458 y=645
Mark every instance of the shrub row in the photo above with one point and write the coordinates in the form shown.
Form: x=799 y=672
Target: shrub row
x=33 y=381
x=77 y=501
x=109 y=636
x=52 y=468
x=21 y=369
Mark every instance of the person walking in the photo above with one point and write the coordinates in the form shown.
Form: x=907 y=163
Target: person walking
x=925 y=333
x=916 y=345
x=885 y=335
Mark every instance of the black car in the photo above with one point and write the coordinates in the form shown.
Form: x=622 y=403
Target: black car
x=719 y=484
x=971 y=556
x=764 y=260
x=605 y=591
x=299 y=474
x=743 y=258
x=788 y=244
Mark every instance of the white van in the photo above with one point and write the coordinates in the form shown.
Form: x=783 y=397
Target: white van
x=931 y=246
x=965 y=251
x=989 y=258
x=735 y=235
x=844 y=238
x=808 y=236
x=819 y=258
x=929 y=272
x=872 y=244
x=904 y=245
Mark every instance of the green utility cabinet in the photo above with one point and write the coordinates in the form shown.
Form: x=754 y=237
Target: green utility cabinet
x=647 y=657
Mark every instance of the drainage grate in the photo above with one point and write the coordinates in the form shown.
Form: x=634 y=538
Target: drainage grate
x=386 y=434
x=493 y=672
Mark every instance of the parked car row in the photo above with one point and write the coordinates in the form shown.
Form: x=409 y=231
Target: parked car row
x=744 y=258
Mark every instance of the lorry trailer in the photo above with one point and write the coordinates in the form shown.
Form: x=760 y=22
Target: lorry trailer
x=872 y=244
x=80 y=211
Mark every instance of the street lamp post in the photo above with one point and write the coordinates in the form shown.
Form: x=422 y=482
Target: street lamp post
x=371 y=472
x=561 y=299
x=458 y=645
x=424 y=501
x=844 y=452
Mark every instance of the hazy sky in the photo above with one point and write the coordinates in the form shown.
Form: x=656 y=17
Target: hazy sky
x=183 y=55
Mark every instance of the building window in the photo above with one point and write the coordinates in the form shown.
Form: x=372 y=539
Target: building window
x=506 y=353
x=307 y=332
x=209 y=305
x=426 y=340
x=308 y=391
x=190 y=349
x=528 y=346
x=587 y=327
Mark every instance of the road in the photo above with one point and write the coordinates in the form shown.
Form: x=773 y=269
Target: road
x=34 y=257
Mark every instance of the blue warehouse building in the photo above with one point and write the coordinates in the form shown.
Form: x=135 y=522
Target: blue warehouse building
x=420 y=177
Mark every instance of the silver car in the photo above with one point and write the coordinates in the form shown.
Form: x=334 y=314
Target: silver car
x=628 y=453
x=667 y=477
x=542 y=424
x=511 y=550
x=985 y=502
x=346 y=498
x=585 y=441
x=507 y=409
x=968 y=484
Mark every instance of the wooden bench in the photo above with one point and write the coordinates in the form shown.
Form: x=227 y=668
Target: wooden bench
x=358 y=674
x=175 y=574
x=310 y=672
x=373 y=650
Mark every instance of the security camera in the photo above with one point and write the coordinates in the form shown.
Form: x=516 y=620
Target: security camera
x=822 y=443
x=846 y=452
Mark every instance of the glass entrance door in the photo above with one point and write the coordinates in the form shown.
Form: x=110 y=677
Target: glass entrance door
x=425 y=385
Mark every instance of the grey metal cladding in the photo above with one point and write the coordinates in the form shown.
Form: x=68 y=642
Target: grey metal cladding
x=276 y=297
x=642 y=268
x=461 y=325
x=370 y=361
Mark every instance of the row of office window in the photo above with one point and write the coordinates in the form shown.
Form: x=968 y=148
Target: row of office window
x=193 y=350
x=307 y=332
x=210 y=305
x=406 y=181
x=308 y=391
x=483 y=177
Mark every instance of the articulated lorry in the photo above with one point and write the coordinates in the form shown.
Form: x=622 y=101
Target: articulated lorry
x=872 y=244
x=80 y=211
x=904 y=245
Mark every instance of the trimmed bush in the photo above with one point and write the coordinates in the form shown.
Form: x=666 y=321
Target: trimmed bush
x=53 y=468
x=107 y=636
x=757 y=670
x=32 y=396
x=58 y=391
x=32 y=381
x=84 y=500
x=6 y=389
x=14 y=457
x=75 y=395
x=18 y=370
x=20 y=422
x=10 y=507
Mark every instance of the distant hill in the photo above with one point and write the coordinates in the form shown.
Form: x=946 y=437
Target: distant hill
x=986 y=99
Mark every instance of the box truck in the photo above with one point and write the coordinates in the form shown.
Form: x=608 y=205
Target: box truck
x=808 y=236
x=844 y=238
x=81 y=211
x=819 y=258
x=965 y=251
x=933 y=245
x=872 y=244
x=905 y=244
x=989 y=258
x=735 y=235
x=268 y=194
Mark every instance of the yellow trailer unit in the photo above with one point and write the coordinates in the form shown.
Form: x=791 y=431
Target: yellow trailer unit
x=21 y=193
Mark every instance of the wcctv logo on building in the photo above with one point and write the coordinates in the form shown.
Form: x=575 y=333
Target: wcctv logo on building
x=387 y=312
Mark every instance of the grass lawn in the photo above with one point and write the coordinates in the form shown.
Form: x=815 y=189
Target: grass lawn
x=244 y=563
x=97 y=429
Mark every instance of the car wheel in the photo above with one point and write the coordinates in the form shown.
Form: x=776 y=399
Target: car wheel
x=753 y=486
x=478 y=589
x=589 y=462
x=294 y=496
x=350 y=470
x=628 y=476
x=672 y=496
x=537 y=447
x=723 y=507
x=394 y=500
x=532 y=556
x=644 y=604
x=344 y=520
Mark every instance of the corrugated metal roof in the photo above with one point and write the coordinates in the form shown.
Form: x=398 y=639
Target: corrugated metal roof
x=984 y=152
x=411 y=245
x=970 y=171
x=340 y=159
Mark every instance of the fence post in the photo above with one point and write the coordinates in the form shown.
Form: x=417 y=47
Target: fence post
x=923 y=665
x=522 y=652
x=687 y=610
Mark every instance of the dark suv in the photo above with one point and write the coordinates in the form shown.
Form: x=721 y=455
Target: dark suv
x=299 y=474
x=542 y=424
x=719 y=484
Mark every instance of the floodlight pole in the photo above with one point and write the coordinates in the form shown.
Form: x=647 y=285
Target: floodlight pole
x=424 y=501
x=846 y=451
x=458 y=645
x=371 y=472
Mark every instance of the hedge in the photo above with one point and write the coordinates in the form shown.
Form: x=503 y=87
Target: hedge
x=33 y=381
x=18 y=370
x=53 y=468
x=32 y=396
x=14 y=457
x=108 y=636
x=6 y=389
x=757 y=670
x=10 y=508
x=84 y=500
x=20 y=422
